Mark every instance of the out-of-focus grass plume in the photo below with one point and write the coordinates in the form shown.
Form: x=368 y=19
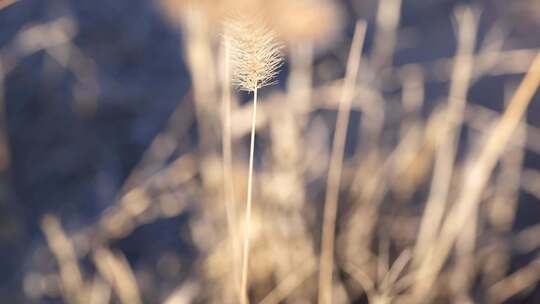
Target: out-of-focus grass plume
x=293 y=21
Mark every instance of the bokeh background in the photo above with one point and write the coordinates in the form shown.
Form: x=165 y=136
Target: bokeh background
x=110 y=149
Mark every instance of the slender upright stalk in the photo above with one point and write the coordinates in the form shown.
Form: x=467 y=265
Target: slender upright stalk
x=336 y=163
x=226 y=139
x=450 y=131
x=245 y=257
x=255 y=59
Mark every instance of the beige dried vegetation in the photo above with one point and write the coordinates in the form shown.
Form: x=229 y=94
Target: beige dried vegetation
x=396 y=218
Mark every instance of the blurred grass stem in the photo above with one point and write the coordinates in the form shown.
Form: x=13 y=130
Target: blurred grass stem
x=336 y=163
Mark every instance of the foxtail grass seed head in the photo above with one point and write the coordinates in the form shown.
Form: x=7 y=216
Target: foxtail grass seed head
x=254 y=54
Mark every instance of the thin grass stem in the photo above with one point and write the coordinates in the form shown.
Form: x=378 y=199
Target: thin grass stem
x=336 y=163
x=245 y=260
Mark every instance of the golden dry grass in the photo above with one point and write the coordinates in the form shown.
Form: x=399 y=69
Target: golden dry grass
x=402 y=219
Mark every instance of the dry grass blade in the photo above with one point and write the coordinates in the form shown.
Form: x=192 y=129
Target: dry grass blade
x=116 y=270
x=528 y=239
x=515 y=283
x=184 y=294
x=100 y=292
x=6 y=3
x=395 y=271
x=227 y=156
x=336 y=163
x=453 y=118
x=388 y=16
x=63 y=250
x=292 y=281
x=480 y=170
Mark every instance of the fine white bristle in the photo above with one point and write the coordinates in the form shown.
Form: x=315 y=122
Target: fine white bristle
x=255 y=56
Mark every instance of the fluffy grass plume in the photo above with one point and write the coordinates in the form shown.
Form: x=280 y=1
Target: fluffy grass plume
x=255 y=54
x=254 y=58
